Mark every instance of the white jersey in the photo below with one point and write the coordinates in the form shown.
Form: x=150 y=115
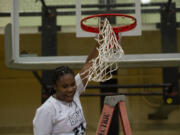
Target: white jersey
x=56 y=117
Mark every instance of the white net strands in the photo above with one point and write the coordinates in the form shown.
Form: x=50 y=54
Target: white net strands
x=109 y=54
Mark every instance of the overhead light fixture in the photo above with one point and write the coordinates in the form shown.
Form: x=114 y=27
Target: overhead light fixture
x=145 y=1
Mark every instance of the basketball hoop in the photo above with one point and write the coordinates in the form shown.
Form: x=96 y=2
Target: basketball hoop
x=109 y=50
x=116 y=29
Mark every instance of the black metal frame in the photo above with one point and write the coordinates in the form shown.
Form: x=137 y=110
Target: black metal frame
x=24 y=14
x=124 y=93
x=167 y=86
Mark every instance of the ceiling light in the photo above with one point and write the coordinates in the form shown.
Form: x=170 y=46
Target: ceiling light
x=145 y=1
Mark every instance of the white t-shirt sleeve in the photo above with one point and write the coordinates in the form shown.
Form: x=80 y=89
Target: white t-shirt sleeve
x=80 y=86
x=42 y=122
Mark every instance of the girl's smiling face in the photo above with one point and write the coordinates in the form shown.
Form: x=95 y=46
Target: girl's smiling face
x=65 y=88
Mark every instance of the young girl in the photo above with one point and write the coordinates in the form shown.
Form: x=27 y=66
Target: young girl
x=62 y=112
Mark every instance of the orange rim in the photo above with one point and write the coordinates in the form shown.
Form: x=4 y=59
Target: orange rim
x=116 y=29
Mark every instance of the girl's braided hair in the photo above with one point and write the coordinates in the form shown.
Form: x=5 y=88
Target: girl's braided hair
x=60 y=71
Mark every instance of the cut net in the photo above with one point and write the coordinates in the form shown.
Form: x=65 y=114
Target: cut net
x=109 y=53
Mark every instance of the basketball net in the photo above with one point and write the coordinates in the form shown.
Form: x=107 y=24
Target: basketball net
x=109 y=53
